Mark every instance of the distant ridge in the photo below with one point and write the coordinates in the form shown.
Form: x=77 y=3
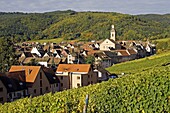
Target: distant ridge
x=71 y=25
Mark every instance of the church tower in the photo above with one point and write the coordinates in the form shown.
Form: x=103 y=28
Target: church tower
x=113 y=33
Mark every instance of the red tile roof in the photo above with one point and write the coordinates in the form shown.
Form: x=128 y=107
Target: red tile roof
x=31 y=72
x=73 y=68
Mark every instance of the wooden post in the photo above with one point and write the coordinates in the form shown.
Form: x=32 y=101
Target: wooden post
x=86 y=104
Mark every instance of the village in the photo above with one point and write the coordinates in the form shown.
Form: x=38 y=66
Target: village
x=54 y=67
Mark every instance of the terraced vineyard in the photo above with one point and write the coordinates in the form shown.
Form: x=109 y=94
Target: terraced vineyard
x=146 y=92
x=139 y=65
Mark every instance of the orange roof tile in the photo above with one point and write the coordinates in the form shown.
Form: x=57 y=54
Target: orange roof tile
x=31 y=72
x=73 y=68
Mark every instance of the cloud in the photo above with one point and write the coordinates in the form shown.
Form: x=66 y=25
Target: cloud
x=123 y=6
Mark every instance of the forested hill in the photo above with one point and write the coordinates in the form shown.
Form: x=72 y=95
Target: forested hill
x=82 y=25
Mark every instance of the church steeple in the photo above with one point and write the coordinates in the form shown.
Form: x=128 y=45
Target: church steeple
x=113 y=33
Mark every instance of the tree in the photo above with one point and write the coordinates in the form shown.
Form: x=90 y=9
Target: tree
x=7 y=54
x=90 y=59
x=131 y=34
x=33 y=62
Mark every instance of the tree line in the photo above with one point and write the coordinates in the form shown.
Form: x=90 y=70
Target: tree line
x=82 y=25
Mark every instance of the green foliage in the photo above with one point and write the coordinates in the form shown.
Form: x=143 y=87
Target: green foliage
x=89 y=59
x=71 y=25
x=7 y=54
x=33 y=62
x=141 y=64
x=147 y=91
x=162 y=45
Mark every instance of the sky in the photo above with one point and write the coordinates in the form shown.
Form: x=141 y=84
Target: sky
x=120 y=6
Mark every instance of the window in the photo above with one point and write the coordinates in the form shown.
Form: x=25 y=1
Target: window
x=40 y=83
x=19 y=95
x=34 y=90
x=1 y=89
x=57 y=85
x=88 y=76
x=78 y=78
x=61 y=77
x=91 y=82
x=41 y=91
x=61 y=84
x=1 y=99
x=78 y=84
x=46 y=88
x=40 y=75
x=88 y=82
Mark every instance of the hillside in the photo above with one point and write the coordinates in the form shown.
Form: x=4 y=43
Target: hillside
x=82 y=25
x=145 y=91
x=140 y=65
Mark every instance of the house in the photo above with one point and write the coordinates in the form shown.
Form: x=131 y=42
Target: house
x=24 y=55
x=64 y=52
x=122 y=55
x=101 y=59
x=54 y=62
x=126 y=55
x=38 y=52
x=3 y=92
x=52 y=78
x=112 y=55
x=43 y=61
x=72 y=58
x=12 y=88
x=75 y=75
x=132 y=53
x=150 y=49
x=48 y=54
x=36 y=80
x=102 y=74
x=140 y=49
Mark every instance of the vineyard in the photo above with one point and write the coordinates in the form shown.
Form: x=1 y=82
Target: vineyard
x=141 y=64
x=145 y=92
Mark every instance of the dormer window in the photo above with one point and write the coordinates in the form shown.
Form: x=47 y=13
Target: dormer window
x=1 y=89
x=29 y=71
x=10 y=85
x=20 y=83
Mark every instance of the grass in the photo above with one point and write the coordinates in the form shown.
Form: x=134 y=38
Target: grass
x=163 y=40
x=140 y=64
x=56 y=40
